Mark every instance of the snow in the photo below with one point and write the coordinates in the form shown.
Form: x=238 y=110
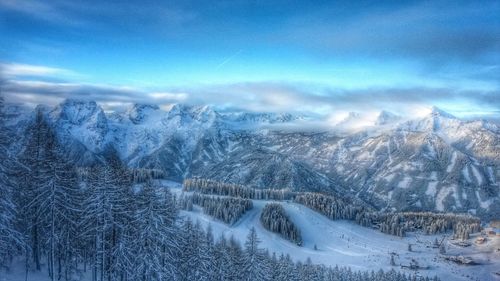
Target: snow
x=389 y=151
x=452 y=163
x=477 y=175
x=465 y=172
x=431 y=188
x=432 y=151
x=491 y=175
x=443 y=192
x=455 y=195
x=344 y=243
x=485 y=204
x=405 y=183
x=389 y=177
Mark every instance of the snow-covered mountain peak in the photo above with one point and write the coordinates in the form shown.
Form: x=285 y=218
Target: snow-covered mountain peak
x=138 y=113
x=352 y=115
x=437 y=112
x=436 y=120
x=77 y=112
x=188 y=113
x=204 y=113
x=265 y=118
x=386 y=117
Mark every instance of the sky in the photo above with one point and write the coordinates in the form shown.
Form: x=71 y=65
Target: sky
x=314 y=57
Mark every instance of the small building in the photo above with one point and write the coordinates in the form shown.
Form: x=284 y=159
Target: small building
x=480 y=240
x=492 y=231
x=495 y=224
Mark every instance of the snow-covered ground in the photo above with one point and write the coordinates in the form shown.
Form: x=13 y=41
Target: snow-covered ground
x=345 y=243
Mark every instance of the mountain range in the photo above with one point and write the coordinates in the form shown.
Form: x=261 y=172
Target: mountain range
x=436 y=162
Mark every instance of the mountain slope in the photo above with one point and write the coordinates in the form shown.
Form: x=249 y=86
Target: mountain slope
x=437 y=162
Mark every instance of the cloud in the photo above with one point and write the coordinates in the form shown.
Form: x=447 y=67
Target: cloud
x=17 y=70
x=111 y=97
x=438 y=34
x=102 y=14
x=29 y=84
x=51 y=11
x=318 y=102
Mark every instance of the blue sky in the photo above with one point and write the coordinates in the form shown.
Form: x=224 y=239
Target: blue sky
x=312 y=56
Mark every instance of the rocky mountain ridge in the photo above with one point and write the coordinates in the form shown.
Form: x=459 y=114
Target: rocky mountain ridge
x=436 y=162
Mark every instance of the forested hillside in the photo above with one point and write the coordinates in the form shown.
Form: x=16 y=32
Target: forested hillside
x=98 y=224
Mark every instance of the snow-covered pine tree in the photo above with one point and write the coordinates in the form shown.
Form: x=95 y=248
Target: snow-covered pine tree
x=106 y=218
x=236 y=256
x=209 y=249
x=63 y=203
x=275 y=219
x=51 y=198
x=121 y=234
x=221 y=261
x=154 y=234
x=10 y=239
x=254 y=259
x=286 y=269
x=229 y=210
x=34 y=180
x=193 y=261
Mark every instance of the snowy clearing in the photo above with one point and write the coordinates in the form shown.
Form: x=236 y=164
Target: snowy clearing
x=345 y=243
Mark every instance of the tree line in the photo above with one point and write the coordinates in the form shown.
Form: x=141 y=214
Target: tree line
x=226 y=209
x=207 y=186
x=343 y=208
x=274 y=218
x=398 y=223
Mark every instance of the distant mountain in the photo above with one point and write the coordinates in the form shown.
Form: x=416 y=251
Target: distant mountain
x=387 y=118
x=436 y=162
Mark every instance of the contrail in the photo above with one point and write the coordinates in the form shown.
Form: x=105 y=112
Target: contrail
x=228 y=59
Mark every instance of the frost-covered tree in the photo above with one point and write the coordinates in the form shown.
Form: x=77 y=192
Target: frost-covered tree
x=34 y=179
x=286 y=269
x=193 y=259
x=442 y=248
x=154 y=234
x=275 y=219
x=207 y=186
x=51 y=200
x=236 y=257
x=228 y=210
x=220 y=260
x=254 y=259
x=106 y=218
x=10 y=239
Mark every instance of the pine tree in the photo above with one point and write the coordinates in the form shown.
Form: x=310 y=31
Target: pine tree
x=10 y=239
x=442 y=248
x=35 y=180
x=52 y=200
x=106 y=217
x=236 y=257
x=254 y=259
x=155 y=232
x=222 y=265
x=193 y=259
x=274 y=218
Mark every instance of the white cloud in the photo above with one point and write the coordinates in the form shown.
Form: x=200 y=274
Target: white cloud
x=320 y=102
x=170 y=96
x=18 y=69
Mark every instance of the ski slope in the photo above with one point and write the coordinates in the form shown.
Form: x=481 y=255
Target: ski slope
x=345 y=243
x=340 y=243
